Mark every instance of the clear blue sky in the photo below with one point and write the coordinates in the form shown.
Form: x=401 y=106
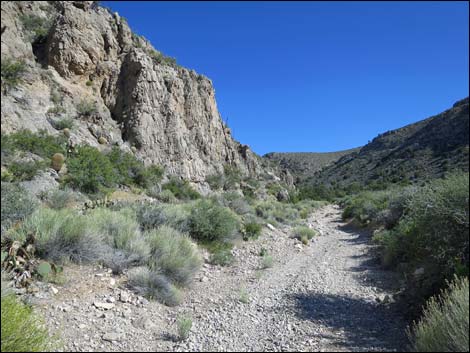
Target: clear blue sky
x=315 y=76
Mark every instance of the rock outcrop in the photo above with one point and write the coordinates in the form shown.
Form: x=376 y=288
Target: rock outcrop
x=83 y=61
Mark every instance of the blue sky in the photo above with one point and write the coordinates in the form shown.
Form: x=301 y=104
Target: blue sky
x=315 y=76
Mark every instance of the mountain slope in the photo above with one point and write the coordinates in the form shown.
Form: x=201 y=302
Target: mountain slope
x=305 y=164
x=423 y=150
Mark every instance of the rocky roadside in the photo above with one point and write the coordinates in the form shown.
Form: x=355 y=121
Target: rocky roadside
x=327 y=296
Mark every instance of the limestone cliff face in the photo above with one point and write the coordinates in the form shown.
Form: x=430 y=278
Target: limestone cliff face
x=143 y=100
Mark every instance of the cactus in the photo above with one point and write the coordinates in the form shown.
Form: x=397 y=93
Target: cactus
x=102 y=141
x=58 y=160
x=66 y=132
x=44 y=270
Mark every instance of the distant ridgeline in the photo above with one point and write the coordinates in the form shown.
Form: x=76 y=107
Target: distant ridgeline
x=428 y=149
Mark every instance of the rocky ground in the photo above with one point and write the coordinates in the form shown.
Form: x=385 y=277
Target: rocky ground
x=330 y=295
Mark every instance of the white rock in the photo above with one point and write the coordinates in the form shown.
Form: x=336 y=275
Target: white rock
x=105 y=306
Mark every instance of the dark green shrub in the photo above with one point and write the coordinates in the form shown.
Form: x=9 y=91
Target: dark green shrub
x=23 y=330
x=154 y=285
x=151 y=216
x=215 y=181
x=209 y=221
x=39 y=143
x=89 y=170
x=304 y=232
x=150 y=176
x=160 y=58
x=173 y=254
x=22 y=170
x=86 y=107
x=65 y=123
x=252 y=230
x=16 y=204
x=444 y=325
x=37 y=26
x=232 y=177
x=12 y=73
x=181 y=189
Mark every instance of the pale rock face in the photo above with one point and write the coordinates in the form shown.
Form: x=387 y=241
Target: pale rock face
x=168 y=113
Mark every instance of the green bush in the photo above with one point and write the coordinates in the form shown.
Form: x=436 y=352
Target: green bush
x=444 y=325
x=274 y=211
x=16 y=205
x=37 y=26
x=89 y=170
x=64 y=123
x=86 y=107
x=209 y=222
x=173 y=254
x=62 y=235
x=39 y=143
x=251 y=230
x=162 y=59
x=267 y=262
x=22 y=170
x=181 y=189
x=149 y=176
x=165 y=196
x=220 y=253
x=215 y=181
x=432 y=234
x=151 y=216
x=12 y=73
x=184 y=324
x=58 y=199
x=119 y=230
x=23 y=330
x=304 y=232
x=154 y=286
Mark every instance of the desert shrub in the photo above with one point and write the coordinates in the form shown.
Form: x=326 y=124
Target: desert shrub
x=154 y=285
x=181 y=189
x=61 y=235
x=89 y=170
x=119 y=230
x=39 y=143
x=16 y=204
x=165 y=196
x=151 y=216
x=58 y=199
x=126 y=166
x=251 y=230
x=266 y=262
x=38 y=27
x=64 y=123
x=232 y=177
x=26 y=170
x=379 y=208
x=184 y=324
x=86 y=107
x=209 y=221
x=150 y=176
x=220 y=253
x=12 y=73
x=274 y=212
x=445 y=323
x=173 y=254
x=215 y=181
x=304 y=232
x=23 y=330
x=432 y=234
x=160 y=58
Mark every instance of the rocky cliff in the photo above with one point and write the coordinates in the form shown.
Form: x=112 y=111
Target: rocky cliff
x=83 y=62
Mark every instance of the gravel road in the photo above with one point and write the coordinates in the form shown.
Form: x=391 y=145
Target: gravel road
x=330 y=295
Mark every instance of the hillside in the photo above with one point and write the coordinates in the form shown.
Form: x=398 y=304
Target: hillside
x=424 y=150
x=305 y=164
